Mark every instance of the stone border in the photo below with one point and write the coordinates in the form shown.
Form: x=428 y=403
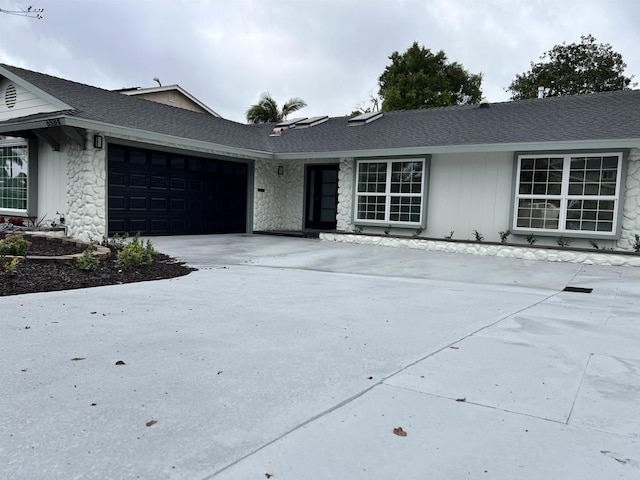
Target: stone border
x=543 y=253
x=100 y=252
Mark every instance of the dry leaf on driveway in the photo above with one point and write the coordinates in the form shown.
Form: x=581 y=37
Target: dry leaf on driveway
x=400 y=432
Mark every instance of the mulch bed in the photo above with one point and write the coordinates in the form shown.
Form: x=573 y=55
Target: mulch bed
x=46 y=276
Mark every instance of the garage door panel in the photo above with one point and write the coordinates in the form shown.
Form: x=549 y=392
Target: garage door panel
x=158 y=194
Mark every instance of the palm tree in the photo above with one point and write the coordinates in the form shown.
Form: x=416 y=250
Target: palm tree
x=267 y=111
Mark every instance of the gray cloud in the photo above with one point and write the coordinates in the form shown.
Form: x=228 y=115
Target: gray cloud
x=329 y=52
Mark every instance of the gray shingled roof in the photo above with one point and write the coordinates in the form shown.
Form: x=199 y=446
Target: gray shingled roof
x=114 y=108
x=598 y=116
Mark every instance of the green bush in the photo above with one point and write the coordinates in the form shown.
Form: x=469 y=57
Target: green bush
x=9 y=267
x=14 y=244
x=88 y=261
x=136 y=253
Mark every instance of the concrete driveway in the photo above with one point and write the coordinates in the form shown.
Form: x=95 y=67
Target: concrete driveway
x=296 y=359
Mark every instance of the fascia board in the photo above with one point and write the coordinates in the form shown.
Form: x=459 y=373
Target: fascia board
x=475 y=148
x=182 y=142
x=29 y=86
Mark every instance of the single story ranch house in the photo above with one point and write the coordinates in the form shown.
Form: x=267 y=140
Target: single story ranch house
x=564 y=167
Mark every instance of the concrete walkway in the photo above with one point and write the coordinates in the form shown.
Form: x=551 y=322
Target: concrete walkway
x=296 y=359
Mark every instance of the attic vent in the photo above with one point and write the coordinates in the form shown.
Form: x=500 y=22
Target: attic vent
x=311 y=122
x=10 y=95
x=364 y=119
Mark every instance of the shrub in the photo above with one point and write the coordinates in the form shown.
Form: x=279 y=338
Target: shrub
x=531 y=239
x=136 y=253
x=1 y=219
x=116 y=242
x=478 y=235
x=88 y=261
x=9 y=267
x=504 y=236
x=14 y=244
x=17 y=221
x=563 y=241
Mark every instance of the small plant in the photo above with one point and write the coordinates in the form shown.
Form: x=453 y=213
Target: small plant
x=450 y=236
x=636 y=244
x=478 y=236
x=1 y=219
x=88 y=261
x=358 y=229
x=117 y=242
x=14 y=244
x=594 y=244
x=136 y=253
x=9 y=267
x=417 y=232
x=563 y=241
x=504 y=236
x=531 y=239
x=17 y=221
x=387 y=230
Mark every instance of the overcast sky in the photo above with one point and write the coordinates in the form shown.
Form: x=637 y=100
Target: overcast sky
x=328 y=52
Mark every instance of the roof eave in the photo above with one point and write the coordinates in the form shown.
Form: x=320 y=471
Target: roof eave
x=472 y=148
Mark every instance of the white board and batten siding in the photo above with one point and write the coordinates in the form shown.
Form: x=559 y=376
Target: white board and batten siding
x=469 y=192
x=52 y=182
x=16 y=102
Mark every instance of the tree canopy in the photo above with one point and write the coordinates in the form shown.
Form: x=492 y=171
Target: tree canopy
x=418 y=78
x=584 y=67
x=267 y=110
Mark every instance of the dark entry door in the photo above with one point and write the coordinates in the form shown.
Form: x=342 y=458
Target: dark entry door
x=322 y=197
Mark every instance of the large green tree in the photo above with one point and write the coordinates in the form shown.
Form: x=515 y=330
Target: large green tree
x=267 y=110
x=584 y=67
x=419 y=78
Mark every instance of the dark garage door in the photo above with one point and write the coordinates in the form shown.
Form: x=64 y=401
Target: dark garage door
x=159 y=193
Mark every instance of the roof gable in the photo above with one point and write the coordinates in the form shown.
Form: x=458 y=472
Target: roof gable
x=19 y=98
x=163 y=95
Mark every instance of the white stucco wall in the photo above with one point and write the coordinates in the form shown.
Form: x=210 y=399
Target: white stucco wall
x=279 y=199
x=631 y=205
x=86 y=191
x=345 y=195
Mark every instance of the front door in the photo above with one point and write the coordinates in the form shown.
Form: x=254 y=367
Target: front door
x=321 y=197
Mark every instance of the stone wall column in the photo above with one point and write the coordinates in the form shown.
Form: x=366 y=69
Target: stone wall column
x=631 y=205
x=345 y=195
x=86 y=215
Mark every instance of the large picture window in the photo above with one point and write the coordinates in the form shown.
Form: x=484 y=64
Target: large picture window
x=568 y=193
x=13 y=176
x=390 y=192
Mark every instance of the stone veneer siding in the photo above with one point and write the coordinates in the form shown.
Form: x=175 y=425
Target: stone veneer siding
x=281 y=205
x=631 y=205
x=86 y=216
x=345 y=195
x=508 y=251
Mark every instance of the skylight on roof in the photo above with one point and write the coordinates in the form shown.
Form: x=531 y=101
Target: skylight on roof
x=364 y=119
x=311 y=122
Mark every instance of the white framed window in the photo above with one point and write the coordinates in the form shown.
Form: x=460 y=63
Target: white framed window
x=568 y=193
x=390 y=192
x=14 y=175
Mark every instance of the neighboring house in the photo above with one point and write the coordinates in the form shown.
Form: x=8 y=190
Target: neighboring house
x=173 y=95
x=566 y=166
